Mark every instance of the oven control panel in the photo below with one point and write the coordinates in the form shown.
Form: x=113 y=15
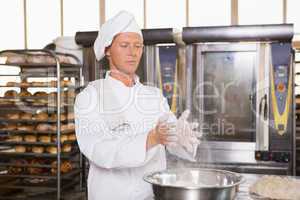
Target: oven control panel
x=283 y=157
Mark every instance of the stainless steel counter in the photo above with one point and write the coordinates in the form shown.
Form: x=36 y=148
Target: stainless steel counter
x=244 y=187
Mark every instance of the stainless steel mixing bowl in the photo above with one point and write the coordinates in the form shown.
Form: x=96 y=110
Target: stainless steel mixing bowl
x=194 y=184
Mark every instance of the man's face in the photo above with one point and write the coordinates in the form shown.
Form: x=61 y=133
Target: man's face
x=125 y=52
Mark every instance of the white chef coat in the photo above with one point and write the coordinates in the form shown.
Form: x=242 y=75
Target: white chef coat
x=112 y=124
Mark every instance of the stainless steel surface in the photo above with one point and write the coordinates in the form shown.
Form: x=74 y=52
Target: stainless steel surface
x=194 y=184
x=233 y=156
x=262 y=93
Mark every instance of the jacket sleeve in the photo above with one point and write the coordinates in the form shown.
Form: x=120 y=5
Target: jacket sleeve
x=102 y=146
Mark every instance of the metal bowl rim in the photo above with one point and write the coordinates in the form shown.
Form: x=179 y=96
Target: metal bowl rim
x=239 y=176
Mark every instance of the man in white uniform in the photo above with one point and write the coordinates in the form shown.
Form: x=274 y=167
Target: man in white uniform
x=123 y=126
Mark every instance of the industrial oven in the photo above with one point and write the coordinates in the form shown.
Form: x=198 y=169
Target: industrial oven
x=238 y=83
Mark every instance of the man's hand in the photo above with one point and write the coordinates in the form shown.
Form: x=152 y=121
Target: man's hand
x=187 y=137
x=161 y=134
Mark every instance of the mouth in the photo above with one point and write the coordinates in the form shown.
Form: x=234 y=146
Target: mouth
x=131 y=62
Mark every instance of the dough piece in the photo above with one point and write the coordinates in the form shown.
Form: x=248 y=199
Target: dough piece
x=276 y=187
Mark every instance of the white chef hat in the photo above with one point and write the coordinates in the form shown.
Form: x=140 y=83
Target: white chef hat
x=120 y=23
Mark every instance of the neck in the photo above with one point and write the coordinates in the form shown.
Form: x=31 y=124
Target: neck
x=126 y=79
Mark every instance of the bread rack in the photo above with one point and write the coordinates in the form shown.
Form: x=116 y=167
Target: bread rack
x=45 y=180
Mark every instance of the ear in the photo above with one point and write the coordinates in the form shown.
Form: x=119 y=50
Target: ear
x=107 y=51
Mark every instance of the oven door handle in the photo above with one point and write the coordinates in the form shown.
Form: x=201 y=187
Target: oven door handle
x=263 y=107
x=266 y=108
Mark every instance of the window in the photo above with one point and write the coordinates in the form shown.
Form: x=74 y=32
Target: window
x=166 y=14
x=293 y=15
x=209 y=12
x=136 y=7
x=80 y=15
x=260 y=11
x=43 y=19
x=12 y=24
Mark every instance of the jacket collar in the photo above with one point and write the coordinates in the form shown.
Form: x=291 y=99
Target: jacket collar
x=136 y=78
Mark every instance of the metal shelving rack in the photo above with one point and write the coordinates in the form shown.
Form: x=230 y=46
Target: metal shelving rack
x=297 y=102
x=26 y=185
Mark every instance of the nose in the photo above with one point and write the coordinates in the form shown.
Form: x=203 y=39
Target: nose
x=133 y=50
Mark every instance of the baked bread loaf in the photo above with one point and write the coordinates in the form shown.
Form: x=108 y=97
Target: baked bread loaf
x=53 y=128
x=25 y=94
x=13 y=116
x=66 y=83
x=51 y=150
x=37 y=149
x=25 y=84
x=63 y=138
x=42 y=116
x=43 y=127
x=35 y=170
x=44 y=138
x=37 y=84
x=65 y=167
x=20 y=149
x=11 y=127
x=69 y=94
x=11 y=84
x=72 y=137
x=71 y=126
x=30 y=138
x=15 y=138
x=53 y=117
x=26 y=116
x=53 y=94
x=18 y=168
x=66 y=148
x=11 y=93
x=40 y=94
x=25 y=128
x=70 y=116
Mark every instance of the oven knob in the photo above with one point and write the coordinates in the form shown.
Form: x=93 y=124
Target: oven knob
x=281 y=87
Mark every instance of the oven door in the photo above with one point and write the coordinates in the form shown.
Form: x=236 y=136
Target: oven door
x=226 y=91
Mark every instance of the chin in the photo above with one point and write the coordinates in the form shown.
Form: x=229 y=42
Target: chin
x=130 y=70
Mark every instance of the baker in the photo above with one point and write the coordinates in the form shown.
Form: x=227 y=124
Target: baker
x=122 y=126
